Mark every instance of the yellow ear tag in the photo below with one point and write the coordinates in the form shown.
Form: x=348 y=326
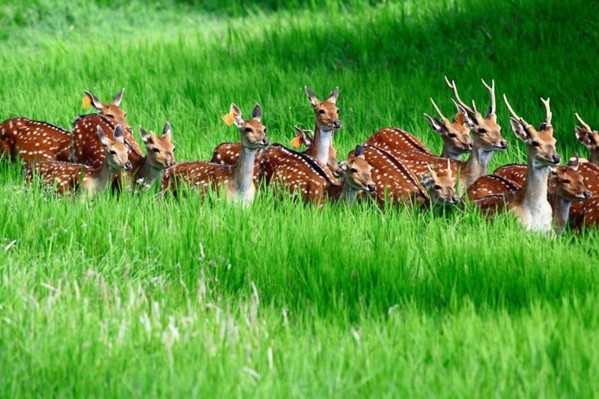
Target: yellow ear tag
x=229 y=118
x=86 y=102
x=296 y=142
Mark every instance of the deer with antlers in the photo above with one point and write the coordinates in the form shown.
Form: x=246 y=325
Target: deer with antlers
x=88 y=148
x=396 y=184
x=160 y=156
x=69 y=178
x=237 y=180
x=589 y=138
x=486 y=140
x=32 y=141
x=455 y=135
x=530 y=204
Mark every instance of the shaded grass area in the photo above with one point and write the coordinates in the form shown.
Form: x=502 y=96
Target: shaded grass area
x=143 y=296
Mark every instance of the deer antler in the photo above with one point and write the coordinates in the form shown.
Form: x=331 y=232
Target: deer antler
x=453 y=88
x=438 y=110
x=547 y=111
x=491 y=89
x=583 y=123
x=514 y=115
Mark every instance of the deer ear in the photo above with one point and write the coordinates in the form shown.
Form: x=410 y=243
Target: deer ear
x=118 y=134
x=257 y=113
x=234 y=109
x=313 y=100
x=469 y=118
x=574 y=161
x=343 y=166
x=519 y=130
x=97 y=104
x=359 y=151
x=582 y=135
x=118 y=98
x=147 y=138
x=333 y=96
x=166 y=131
x=435 y=124
x=102 y=136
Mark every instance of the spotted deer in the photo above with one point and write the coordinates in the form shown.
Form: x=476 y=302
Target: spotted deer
x=88 y=149
x=236 y=180
x=69 y=178
x=396 y=184
x=589 y=138
x=486 y=139
x=32 y=140
x=160 y=155
x=327 y=123
x=455 y=135
x=530 y=204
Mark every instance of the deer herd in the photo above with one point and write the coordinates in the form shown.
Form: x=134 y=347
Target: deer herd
x=392 y=166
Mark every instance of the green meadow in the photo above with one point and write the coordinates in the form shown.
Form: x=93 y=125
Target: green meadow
x=138 y=296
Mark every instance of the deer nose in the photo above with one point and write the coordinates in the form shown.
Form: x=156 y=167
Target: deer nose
x=503 y=144
x=556 y=158
x=337 y=124
x=128 y=166
x=266 y=142
x=469 y=146
x=587 y=194
x=371 y=188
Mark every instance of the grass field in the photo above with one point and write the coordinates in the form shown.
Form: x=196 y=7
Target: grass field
x=135 y=296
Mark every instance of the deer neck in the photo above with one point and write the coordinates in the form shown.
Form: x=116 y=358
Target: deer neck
x=145 y=172
x=99 y=177
x=561 y=211
x=475 y=167
x=447 y=153
x=243 y=173
x=323 y=140
x=594 y=157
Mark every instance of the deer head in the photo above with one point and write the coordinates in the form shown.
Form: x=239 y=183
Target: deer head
x=117 y=152
x=440 y=186
x=160 y=149
x=112 y=110
x=357 y=171
x=253 y=132
x=588 y=137
x=569 y=184
x=540 y=143
x=455 y=133
x=327 y=113
x=485 y=130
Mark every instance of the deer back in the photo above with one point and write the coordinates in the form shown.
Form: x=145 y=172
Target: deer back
x=88 y=149
x=296 y=172
x=516 y=173
x=491 y=185
x=393 y=139
x=199 y=175
x=66 y=177
x=34 y=140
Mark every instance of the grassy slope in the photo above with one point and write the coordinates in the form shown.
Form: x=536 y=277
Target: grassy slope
x=141 y=297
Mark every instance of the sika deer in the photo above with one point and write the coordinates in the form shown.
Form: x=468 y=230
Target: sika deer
x=70 y=177
x=34 y=140
x=589 y=138
x=486 y=139
x=88 y=148
x=530 y=204
x=327 y=123
x=236 y=180
x=455 y=135
x=160 y=155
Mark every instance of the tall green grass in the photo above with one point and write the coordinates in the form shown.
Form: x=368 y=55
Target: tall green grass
x=140 y=296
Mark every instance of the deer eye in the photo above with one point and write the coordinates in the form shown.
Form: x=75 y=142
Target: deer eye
x=535 y=143
x=482 y=130
x=437 y=187
x=353 y=170
x=264 y=130
x=155 y=150
x=337 y=110
x=452 y=135
x=109 y=116
x=113 y=152
x=566 y=181
x=248 y=129
x=174 y=149
x=321 y=112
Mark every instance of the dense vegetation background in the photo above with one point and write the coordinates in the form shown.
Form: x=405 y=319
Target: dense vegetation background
x=137 y=296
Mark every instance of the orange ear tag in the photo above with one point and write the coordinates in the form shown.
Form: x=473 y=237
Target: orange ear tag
x=229 y=118
x=296 y=142
x=86 y=102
